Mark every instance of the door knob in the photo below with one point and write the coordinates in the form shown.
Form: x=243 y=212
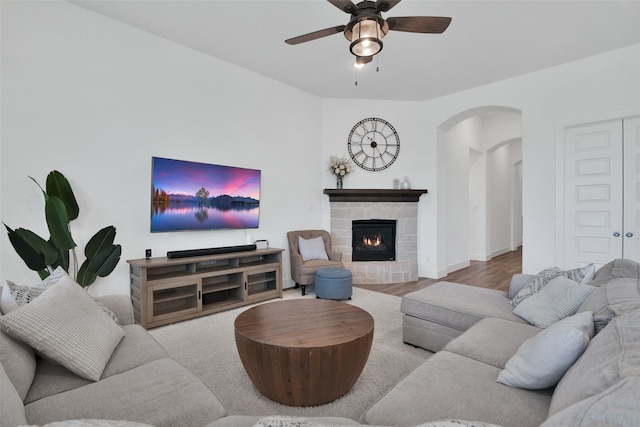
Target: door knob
x=629 y=234
x=616 y=234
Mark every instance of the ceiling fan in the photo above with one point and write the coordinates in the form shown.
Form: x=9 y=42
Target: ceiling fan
x=367 y=27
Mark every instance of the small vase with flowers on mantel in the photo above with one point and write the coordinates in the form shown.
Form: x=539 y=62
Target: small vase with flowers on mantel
x=340 y=167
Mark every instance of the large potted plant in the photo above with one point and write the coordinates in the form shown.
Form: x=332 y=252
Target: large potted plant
x=43 y=256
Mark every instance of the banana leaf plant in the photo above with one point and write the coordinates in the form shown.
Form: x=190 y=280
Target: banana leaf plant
x=44 y=256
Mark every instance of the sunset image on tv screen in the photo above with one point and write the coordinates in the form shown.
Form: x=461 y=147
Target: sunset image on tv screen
x=189 y=195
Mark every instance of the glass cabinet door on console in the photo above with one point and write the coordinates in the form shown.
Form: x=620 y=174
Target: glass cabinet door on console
x=260 y=281
x=171 y=300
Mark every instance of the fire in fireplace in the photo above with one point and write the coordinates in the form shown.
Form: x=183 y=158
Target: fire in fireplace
x=373 y=240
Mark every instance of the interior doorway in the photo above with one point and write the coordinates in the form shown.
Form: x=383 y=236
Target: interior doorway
x=480 y=182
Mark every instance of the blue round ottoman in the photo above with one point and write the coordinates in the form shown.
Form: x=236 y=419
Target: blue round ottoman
x=333 y=283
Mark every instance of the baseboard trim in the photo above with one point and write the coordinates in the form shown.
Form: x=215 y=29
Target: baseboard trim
x=458 y=266
x=500 y=252
x=482 y=258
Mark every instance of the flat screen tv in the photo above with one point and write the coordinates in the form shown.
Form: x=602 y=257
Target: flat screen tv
x=199 y=196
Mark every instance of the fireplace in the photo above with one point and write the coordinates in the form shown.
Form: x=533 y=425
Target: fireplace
x=373 y=240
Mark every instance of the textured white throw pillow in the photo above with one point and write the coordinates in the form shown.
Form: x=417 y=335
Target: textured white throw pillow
x=66 y=325
x=583 y=275
x=543 y=359
x=312 y=248
x=560 y=298
x=13 y=295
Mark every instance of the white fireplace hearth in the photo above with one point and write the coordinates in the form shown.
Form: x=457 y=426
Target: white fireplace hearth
x=400 y=205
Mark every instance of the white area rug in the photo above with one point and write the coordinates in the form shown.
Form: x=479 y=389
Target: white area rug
x=206 y=346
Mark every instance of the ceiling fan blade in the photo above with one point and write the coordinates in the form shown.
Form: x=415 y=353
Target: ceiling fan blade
x=419 y=24
x=385 y=5
x=345 y=6
x=315 y=35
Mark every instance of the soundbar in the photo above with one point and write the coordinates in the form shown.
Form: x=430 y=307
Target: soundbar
x=210 y=251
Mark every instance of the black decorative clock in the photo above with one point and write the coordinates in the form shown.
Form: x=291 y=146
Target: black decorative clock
x=373 y=144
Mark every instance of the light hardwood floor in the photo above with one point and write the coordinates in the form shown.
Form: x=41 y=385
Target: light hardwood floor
x=493 y=274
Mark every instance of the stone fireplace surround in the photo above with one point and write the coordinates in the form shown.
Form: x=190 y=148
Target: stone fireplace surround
x=401 y=205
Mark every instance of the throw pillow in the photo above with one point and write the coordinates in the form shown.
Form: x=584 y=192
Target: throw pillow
x=13 y=295
x=543 y=359
x=312 y=248
x=555 y=301
x=56 y=275
x=582 y=275
x=65 y=325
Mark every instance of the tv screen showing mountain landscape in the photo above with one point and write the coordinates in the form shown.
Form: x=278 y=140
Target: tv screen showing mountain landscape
x=199 y=196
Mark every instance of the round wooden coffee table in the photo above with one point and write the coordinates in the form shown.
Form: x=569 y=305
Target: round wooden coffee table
x=304 y=352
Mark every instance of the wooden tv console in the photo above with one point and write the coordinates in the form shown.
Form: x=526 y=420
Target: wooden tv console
x=170 y=290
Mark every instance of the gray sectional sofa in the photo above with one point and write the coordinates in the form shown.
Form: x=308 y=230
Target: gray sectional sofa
x=475 y=334
x=140 y=383
x=473 y=331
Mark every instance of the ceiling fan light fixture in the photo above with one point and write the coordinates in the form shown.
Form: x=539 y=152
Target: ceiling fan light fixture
x=361 y=61
x=366 y=36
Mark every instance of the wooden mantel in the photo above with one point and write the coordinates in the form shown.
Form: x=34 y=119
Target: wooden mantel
x=373 y=195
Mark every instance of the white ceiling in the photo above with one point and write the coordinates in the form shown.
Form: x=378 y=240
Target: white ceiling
x=487 y=41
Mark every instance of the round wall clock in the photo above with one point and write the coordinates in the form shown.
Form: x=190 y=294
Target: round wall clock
x=373 y=144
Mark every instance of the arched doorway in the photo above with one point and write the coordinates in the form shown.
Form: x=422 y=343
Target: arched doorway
x=479 y=186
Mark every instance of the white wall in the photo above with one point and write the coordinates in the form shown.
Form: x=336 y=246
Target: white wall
x=459 y=141
x=585 y=90
x=96 y=99
x=501 y=167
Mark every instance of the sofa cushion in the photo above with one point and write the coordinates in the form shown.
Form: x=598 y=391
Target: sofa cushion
x=95 y=423
x=281 y=421
x=19 y=361
x=136 y=348
x=582 y=275
x=612 y=355
x=67 y=326
x=612 y=299
x=449 y=386
x=147 y=394
x=312 y=248
x=560 y=298
x=479 y=341
x=456 y=305
x=291 y=421
x=616 y=269
x=120 y=305
x=11 y=403
x=544 y=358
x=427 y=334
x=616 y=406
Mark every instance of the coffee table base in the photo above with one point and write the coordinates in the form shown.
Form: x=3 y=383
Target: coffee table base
x=283 y=375
x=309 y=371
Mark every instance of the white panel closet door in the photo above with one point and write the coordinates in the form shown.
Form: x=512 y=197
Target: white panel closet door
x=631 y=236
x=593 y=193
